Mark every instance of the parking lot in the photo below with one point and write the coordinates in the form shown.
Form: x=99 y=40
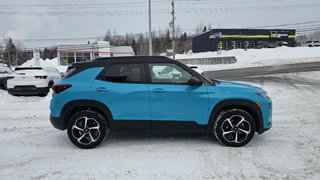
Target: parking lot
x=31 y=148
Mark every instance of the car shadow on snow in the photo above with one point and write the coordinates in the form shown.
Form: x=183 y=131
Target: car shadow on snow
x=158 y=137
x=128 y=139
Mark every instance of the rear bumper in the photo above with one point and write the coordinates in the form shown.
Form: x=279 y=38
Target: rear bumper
x=57 y=123
x=28 y=90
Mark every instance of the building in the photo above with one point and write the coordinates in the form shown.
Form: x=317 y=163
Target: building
x=70 y=53
x=226 y=39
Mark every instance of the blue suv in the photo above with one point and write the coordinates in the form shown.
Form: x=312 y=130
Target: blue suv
x=154 y=94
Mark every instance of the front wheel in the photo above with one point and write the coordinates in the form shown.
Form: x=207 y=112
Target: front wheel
x=234 y=127
x=87 y=129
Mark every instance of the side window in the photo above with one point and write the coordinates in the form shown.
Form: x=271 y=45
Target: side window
x=165 y=73
x=123 y=73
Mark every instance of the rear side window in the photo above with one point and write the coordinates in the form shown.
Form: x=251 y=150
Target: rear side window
x=123 y=73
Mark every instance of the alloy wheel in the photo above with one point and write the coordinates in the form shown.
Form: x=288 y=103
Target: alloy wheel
x=86 y=130
x=235 y=129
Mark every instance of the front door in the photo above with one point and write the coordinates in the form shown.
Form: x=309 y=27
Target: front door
x=172 y=99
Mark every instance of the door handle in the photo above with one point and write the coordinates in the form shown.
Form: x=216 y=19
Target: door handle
x=158 y=90
x=102 y=89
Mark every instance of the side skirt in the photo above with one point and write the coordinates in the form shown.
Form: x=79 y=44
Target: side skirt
x=156 y=126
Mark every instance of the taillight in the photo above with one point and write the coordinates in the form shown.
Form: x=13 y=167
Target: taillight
x=41 y=77
x=10 y=77
x=58 y=88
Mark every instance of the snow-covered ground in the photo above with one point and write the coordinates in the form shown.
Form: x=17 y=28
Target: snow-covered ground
x=32 y=149
x=259 y=57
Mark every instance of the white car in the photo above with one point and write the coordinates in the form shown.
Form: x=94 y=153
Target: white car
x=316 y=43
x=32 y=80
x=312 y=44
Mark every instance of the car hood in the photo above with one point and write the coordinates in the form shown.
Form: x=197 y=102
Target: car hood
x=233 y=85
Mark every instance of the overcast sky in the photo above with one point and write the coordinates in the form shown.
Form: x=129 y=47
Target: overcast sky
x=48 y=19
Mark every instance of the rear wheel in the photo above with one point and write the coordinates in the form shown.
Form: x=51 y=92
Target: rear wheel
x=234 y=127
x=87 y=129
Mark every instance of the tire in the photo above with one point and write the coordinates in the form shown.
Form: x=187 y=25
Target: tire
x=234 y=127
x=88 y=135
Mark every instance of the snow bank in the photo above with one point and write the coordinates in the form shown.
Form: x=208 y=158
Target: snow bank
x=48 y=62
x=248 y=58
x=259 y=57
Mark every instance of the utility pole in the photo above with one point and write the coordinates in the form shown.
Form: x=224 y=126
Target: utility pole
x=173 y=32
x=150 y=38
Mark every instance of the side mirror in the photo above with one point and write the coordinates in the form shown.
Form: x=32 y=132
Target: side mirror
x=193 y=81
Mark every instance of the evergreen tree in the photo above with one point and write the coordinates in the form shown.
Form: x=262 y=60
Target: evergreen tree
x=134 y=46
x=204 y=29
x=10 y=53
x=168 y=40
x=46 y=53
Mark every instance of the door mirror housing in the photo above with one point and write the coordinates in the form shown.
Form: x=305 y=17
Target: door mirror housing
x=193 y=81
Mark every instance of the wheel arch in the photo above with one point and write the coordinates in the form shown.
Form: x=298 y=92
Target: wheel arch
x=251 y=107
x=77 y=105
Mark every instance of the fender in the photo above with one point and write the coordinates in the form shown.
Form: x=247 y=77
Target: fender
x=76 y=105
x=249 y=106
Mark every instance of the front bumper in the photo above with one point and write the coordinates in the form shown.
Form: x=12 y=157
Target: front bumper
x=266 y=115
x=28 y=90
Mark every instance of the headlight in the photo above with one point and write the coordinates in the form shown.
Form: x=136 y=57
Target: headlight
x=264 y=94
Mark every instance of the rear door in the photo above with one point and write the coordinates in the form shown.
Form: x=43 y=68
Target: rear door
x=123 y=89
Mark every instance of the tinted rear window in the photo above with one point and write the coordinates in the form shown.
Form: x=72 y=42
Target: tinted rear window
x=123 y=73
x=27 y=68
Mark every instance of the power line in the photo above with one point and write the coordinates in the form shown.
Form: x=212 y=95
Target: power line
x=281 y=25
x=103 y=12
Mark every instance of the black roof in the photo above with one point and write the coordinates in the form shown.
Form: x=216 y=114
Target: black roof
x=125 y=59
